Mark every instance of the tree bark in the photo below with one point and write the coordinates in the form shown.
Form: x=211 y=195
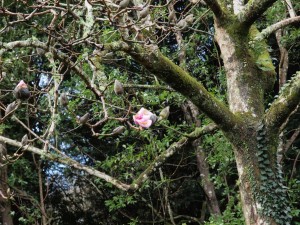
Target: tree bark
x=284 y=59
x=208 y=186
x=4 y=193
x=247 y=83
x=41 y=191
x=284 y=55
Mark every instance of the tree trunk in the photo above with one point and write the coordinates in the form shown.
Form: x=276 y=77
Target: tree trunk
x=284 y=59
x=4 y=195
x=250 y=73
x=208 y=186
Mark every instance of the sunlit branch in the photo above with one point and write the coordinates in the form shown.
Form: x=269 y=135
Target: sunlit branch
x=237 y=6
x=53 y=102
x=89 y=19
x=290 y=8
x=271 y=29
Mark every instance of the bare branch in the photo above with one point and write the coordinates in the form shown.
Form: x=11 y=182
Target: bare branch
x=290 y=8
x=269 y=30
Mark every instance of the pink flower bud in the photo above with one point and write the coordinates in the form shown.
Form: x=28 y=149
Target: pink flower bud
x=143 y=118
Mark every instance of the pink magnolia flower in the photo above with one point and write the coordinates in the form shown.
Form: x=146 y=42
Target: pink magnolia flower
x=144 y=118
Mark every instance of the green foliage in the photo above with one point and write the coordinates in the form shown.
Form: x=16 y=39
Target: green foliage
x=294 y=193
x=292 y=37
x=119 y=202
x=29 y=216
x=231 y=215
x=276 y=13
x=221 y=159
x=270 y=191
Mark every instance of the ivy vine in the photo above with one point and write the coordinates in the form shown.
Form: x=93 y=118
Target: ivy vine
x=271 y=192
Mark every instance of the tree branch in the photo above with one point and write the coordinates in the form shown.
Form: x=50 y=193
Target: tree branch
x=31 y=42
x=252 y=10
x=145 y=86
x=215 y=7
x=28 y=43
x=122 y=186
x=64 y=58
x=291 y=140
x=67 y=161
x=284 y=105
x=171 y=151
x=269 y=30
x=151 y=58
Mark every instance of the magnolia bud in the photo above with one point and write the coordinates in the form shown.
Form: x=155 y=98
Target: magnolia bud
x=195 y=1
x=145 y=12
x=84 y=118
x=123 y=4
x=153 y=118
x=171 y=16
x=189 y=19
x=12 y=106
x=118 y=88
x=118 y=130
x=24 y=140
x=21 y=91
x=108 y=55
x=182 y=24
x=64 y=99
x=164 y=114
x=40 y=51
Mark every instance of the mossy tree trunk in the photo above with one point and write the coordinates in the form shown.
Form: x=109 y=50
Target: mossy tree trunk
x=250 y=74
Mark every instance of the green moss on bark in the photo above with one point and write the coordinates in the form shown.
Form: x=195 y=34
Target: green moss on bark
x=181 y=81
